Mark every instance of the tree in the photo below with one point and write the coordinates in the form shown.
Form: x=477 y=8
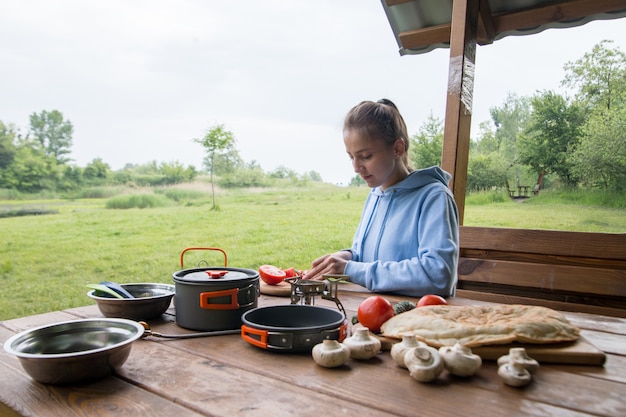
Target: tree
x=282 y=172
x=357 y=181
x=250 y=175
x=7 y=145
x=53 y=133
x=552 y=134
x=31 y=170
x=600 y=76
x=510 y=120
x=215 y=141
x=485 y=171
x=176 y=173
x=487 y=142
x=225 y=162
x=600 y=158
x=96 y=172
x=71 y=177
x=313 y=176
x=427 y=144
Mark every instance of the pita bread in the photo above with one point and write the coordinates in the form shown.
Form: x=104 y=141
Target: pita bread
x=472 y=326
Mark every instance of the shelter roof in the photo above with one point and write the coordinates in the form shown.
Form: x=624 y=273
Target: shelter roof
x=420 y=26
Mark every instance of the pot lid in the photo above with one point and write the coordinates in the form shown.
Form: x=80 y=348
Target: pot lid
x=214 y=275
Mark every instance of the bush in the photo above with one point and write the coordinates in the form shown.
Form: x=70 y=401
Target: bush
x=582 y=197
x=137 y=201
x=9 y=194
x=178 y=194
x=99 y=192
x=481 y=198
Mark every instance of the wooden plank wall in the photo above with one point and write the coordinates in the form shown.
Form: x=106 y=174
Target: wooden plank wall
x=571 y=271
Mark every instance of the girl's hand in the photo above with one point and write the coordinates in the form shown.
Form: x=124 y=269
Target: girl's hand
x=334 y=263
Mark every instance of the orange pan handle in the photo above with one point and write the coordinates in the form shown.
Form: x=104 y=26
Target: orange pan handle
x=261 y=342
x=182 y=254
x=343 y=331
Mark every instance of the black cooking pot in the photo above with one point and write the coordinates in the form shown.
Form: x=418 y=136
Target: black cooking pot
x=293 y=327
x=210 y=298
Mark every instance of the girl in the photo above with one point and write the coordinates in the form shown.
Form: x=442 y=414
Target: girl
x=407 y=241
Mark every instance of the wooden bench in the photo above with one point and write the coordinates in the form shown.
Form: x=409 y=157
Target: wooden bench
x=569 y=271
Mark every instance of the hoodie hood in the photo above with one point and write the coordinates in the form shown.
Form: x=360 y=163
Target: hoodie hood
x=417 y=179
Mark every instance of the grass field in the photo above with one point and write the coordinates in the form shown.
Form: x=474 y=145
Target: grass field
x=46 y=260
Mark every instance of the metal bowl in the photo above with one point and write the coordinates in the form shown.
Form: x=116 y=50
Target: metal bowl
x=151 y=301
x=74 y=351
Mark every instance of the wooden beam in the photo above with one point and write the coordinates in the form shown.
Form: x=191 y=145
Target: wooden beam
x=396 y=2
x=486 y=26
x=519 y=20
x=456 y=135
x=427 y=36
x=560 y=244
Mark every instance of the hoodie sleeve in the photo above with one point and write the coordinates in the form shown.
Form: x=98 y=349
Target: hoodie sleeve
x=434 y=268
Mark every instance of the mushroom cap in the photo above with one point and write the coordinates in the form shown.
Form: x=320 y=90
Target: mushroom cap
x=459 y=360
x=424 y=363
x=519 y=355
x=515 y=376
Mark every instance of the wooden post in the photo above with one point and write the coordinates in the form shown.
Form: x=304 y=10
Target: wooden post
x=456 y=136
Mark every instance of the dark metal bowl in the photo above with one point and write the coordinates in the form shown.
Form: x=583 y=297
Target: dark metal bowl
x=151 y=301
x=74 y=351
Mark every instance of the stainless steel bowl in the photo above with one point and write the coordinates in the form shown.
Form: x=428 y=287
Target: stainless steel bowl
x=74 y=351
x=151 y=301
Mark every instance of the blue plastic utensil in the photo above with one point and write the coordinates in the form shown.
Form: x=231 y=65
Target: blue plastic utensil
x=117 y=288
x=103 y=289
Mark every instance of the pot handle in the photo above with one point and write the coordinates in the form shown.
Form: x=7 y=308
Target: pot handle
x=206 y=296
x=261 y=342
x=182 y=254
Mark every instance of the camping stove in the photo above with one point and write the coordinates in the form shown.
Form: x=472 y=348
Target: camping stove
x=304 y=291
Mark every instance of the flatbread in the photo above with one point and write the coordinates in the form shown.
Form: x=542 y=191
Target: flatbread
x=472 y=326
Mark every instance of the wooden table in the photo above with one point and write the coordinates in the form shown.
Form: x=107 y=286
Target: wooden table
x=225 y=376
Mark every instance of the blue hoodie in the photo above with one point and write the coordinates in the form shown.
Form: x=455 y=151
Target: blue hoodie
x=408 y=239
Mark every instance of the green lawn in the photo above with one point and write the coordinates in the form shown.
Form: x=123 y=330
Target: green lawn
x=46 y=260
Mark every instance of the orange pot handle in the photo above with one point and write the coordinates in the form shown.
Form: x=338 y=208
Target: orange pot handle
x=182 y=254
x=232 y=293
x=261 y=342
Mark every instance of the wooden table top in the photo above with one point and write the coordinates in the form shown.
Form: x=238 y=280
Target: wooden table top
x=225 y=376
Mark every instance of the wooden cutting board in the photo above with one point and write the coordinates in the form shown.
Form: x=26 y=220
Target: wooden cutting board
x=280 y=290
x=580 y=352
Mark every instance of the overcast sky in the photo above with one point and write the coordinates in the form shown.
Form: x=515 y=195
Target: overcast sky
x=139 y=79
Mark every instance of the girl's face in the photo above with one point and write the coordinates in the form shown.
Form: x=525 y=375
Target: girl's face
x=375 y=161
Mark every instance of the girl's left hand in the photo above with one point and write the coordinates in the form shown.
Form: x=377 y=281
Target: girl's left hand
x=334 y=263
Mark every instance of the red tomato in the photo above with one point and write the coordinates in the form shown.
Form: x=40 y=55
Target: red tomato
x=290 y=272
x=374 y=311
x=431 y=300
x=272 y=275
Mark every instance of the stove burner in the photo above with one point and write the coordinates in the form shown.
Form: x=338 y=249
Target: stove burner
x=304 y=291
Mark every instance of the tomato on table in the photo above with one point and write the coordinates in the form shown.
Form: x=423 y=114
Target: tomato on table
x=271 y=274
x=290 y=272
x=374 y=311
x=431 y=300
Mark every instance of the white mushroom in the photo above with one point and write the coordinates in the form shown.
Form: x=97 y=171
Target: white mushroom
x=514 y=374
x=362 y=344
x=398 y=350
x=330 y=353
x=519 y=354
x=459 y=360
x=423 y=363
